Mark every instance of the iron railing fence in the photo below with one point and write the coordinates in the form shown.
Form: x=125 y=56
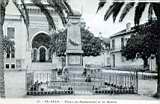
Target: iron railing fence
x=108 y=82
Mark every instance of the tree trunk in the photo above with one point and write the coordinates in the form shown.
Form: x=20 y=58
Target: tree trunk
x=158 y=72
x=145 y=60
x=2 y=87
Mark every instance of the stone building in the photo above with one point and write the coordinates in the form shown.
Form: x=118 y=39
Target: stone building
x=32 y=49
x=31 y=52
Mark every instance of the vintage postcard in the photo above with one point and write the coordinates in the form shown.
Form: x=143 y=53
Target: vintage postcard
x=79 y=51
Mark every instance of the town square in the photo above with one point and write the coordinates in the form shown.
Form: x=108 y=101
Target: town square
x=71 y=48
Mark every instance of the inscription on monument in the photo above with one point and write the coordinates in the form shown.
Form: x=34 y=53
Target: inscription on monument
x=74 y=60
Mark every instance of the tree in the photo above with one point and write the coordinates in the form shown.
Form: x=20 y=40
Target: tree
x=60 y=4
x=137 y=47
x=151 y=40
x=116 y=7
x=146 y=43
x=154 y=8
x=91 y=45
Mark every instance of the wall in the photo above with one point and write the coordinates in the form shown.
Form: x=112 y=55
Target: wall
x=20 y=37
x=15 y=83
x=152 y=63
x=98 y=60
x=119 y=62
x=20 y=34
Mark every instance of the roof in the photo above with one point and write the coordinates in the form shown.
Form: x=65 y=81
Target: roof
x=11 y=9
x=124 y=32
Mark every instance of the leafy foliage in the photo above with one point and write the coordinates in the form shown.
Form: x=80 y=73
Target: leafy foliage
x=58 y=43
x=45 y=11
x=116 y=7
x=60 y=6
x=137 y=47
x=92 y=46
x=144 y=43
x=152 y=36
x=8 y=45
x=100 y=5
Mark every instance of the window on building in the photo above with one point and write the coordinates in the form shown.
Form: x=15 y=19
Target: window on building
x=11 y=32
x=114 y=59
x=13 y=55
x=122 y=43
x=113 y=44
x=7 y=66
x=13 y=66
x=8 y=55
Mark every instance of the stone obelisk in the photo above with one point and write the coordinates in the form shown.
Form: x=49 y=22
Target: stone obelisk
x=74 y=46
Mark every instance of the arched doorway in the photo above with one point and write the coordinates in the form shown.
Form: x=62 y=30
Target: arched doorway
x=42 y=54
x=41 y=42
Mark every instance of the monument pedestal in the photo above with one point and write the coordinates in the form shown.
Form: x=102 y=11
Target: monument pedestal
x=74 y=60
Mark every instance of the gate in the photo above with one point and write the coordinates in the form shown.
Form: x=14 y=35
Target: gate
x=102 y=82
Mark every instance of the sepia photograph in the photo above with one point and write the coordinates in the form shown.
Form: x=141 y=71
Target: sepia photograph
x=80 y=51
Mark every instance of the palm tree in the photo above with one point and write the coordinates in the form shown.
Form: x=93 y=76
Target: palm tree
x=116 y=7
x=58 y=5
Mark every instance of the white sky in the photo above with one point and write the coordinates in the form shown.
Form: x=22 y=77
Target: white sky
x=94 y=21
